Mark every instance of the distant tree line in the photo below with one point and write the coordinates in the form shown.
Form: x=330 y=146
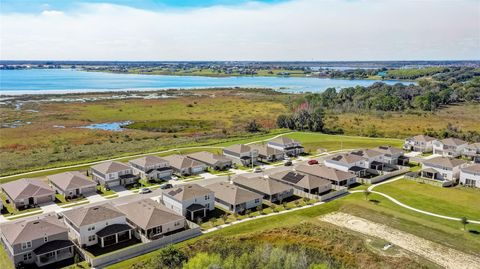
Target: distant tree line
x=303 y=120
x=455 y=132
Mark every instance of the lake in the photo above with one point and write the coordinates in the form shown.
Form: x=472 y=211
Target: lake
x=42 y=81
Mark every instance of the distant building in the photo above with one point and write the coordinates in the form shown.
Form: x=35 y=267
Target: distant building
x=215 y=161
x=241 y=154
x=289 y=146
x=449 y=147
x=185 y=166
x=419 y=143
x=152 y=167
x=268 y=154
x=110 y=174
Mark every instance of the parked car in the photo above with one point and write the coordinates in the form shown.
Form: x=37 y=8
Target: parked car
x=257 y=170
x=144 y=190
x=166 y=186
x=312 y=162
x=288 y=163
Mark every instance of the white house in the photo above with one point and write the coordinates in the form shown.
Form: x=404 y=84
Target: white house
x=470 y=175
x=190 y=200
x=392 y=155
x=241 y=154
x=98 y=224
x=374 y=159
x=111 y=174
x=442 y=168
x=289 y=146
x=472 y=151
x=419 y=143
x=449 y=147
x=348 y=163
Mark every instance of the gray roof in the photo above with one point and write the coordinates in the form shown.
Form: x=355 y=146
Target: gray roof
x=182 y=162
x=25 y=188
x=71 y=180
x=110 y=167
x=301 y=180
x=187 y=192
x=232 y=194
x=474 y=168
x=239 y=148
x=264 y=185
x=347 y=158
x=149 y=160
x=474 y=146
x=324 y=172
x=92 y=214
x=208 y=157
x=266 y=150
x=444 y=162
x=283 y=140
x=423 y=138
x=28 y=230
x=453 y=141
x=367 y=153
x=388 y=150
x=148 y=214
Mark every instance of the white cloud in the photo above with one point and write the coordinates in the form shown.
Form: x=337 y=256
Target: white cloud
x=297 y=30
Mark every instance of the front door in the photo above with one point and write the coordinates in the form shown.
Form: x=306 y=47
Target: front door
x=31 y=201
x=77 y=191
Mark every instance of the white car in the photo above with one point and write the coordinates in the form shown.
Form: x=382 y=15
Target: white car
x=144 y=190
x=257 y=170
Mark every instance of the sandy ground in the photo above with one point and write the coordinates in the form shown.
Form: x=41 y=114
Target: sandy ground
x=439 y=254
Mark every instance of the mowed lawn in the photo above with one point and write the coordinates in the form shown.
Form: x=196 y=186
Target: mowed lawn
x=454 y=202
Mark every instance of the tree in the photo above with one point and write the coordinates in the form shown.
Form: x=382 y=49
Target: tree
x=282 y=121
x=170 y=257
x=224 y=218
x=367 y=193
x=464 y=222
x=253 y=127
x=260 y=209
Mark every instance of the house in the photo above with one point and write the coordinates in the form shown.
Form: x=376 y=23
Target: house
x=98 y=224
x=442 y=168
x=72 y=184
x=449 y=147
x=470 y=175
x=374 y=159
x=185 y=166
x=392 y=155
x=419 y=143
x=234 y=198
x=336 y=177
x=270 y=189
x=151 y=220
x=215 y=161
x=268 y=154
x=241 y=154
x=25 y=193
x=289 y=146
x=189 y=200
x=151 y=167
x=110 y=174
x=472 y=151
x=40 y=241
x=347 y=162
x=303 y=182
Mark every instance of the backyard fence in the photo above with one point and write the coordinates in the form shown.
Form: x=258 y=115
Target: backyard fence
x=387 y=175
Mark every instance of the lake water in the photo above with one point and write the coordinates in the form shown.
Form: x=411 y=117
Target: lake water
x=41 y=81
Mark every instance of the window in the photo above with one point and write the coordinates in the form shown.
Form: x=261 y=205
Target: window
x=27 y=244
x=91 y=228
x=207 y=197
x=27 y=256
x=106 y=223
x=45 y=239
x=257 y=201
x=111 y=176
x=91 y=238
x=177 y=223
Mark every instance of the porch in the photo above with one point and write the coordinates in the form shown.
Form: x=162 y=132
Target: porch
x=430 y=173
x=195 y=211
x=114 y=234
x=53 y=251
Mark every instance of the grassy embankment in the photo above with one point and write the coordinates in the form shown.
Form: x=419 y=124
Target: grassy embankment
x=212 y=72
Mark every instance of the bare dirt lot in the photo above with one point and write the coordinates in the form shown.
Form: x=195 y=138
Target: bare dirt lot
x=439 y=254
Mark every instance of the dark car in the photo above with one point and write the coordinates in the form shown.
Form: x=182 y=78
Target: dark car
x=288 y=163
x=312 y=162
x=166 y=186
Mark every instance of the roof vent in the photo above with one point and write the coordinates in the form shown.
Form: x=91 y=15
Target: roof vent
x=36 y=222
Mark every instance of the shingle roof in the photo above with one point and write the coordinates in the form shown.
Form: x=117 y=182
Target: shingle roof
x=261 y=184
x=110 y=167
x=149 y=160
x=239 y=148
x=92 y=214
x=283 y=140
x=25 y=188
x=444 y=162
x=232 y=194
x=71 y=180
x=324 y=172
x=266 y=150
x=181 y=162
x=208 y=157
x=347 y=158
x=367 y=153
x=28 y=230
x=453 y=141
x=302 y=180
x=474 y=168
x=148 y=214
x=474 y=146
x=388 y=150
x=187 y=192
x=423 y=138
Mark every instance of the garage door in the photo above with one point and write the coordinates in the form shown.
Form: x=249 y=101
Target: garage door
x=196 y=170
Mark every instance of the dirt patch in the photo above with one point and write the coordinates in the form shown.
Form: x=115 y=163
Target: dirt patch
x=439 y=254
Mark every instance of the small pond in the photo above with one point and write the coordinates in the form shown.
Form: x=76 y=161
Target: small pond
x=108 y=126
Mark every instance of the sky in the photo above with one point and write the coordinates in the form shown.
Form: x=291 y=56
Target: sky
x=271 y=30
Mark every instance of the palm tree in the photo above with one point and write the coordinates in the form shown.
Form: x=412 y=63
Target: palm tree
x=366 y=192
x=464 y=222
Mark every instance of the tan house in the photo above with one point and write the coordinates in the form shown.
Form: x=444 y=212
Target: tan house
x=270 y=189
x=151 y=220
x=303 y=182
x=215 y=161
x=234 y=198
x=151 y=167
x=24 y=193
x=72 y=184
x=110 y=174
x=40 y=241
x=336 y=177
x=268 y=154
x=185 y=166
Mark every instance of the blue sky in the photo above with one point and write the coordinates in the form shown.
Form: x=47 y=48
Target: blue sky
x=306 y=30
